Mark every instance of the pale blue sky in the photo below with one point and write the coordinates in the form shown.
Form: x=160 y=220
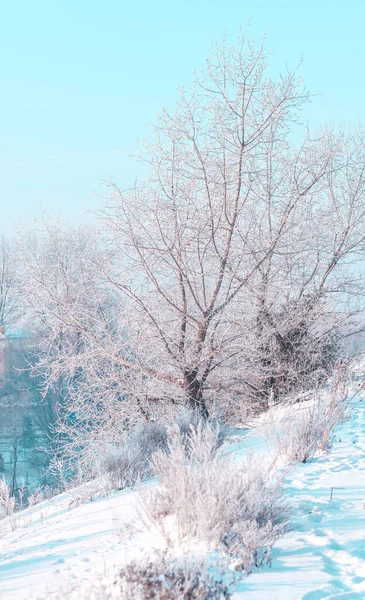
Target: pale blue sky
x=82 y=79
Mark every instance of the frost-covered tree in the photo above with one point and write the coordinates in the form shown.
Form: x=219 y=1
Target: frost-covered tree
x=9 y=291
x=242 y=245
x=228 y=273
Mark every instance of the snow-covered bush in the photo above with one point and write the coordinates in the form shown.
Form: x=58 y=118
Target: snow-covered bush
x=308 y=428
x=37 y=497
x=157 y=579
x=204 y=494
x=130 y=462
x=7 y=503
x=299 y=437
x=166 y=579
x=238 y=411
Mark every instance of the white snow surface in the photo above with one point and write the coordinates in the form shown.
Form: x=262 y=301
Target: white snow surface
x=57 y=544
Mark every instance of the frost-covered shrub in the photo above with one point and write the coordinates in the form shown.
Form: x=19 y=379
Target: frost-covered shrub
x=309 y=428
x=172 y=580
x=188 y=420
x=299 y=437
x=131 y=461
x=36 y=498
x=238 y=411
x=239 y=507
x=7 y=503
x=158 y=579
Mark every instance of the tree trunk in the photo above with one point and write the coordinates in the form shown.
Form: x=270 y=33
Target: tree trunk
x=13 y=478
x=194 y=393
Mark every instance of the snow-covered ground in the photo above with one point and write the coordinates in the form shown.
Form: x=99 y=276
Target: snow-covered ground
x=323 y=556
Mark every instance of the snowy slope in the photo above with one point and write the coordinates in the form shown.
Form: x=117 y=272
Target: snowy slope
x=323 y=556
x=64 y=544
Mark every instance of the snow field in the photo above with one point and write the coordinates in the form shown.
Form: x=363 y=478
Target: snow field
x=58 y=545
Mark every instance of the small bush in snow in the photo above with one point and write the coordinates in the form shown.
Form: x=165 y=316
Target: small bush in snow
x=188 y=419
x=299 y=437
x=36 y=498
x=129 y=463
x=308 y=429
x=171 y=580
x=7 y=503
x=159 y=579
x=204 y=494
x=240 y=412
